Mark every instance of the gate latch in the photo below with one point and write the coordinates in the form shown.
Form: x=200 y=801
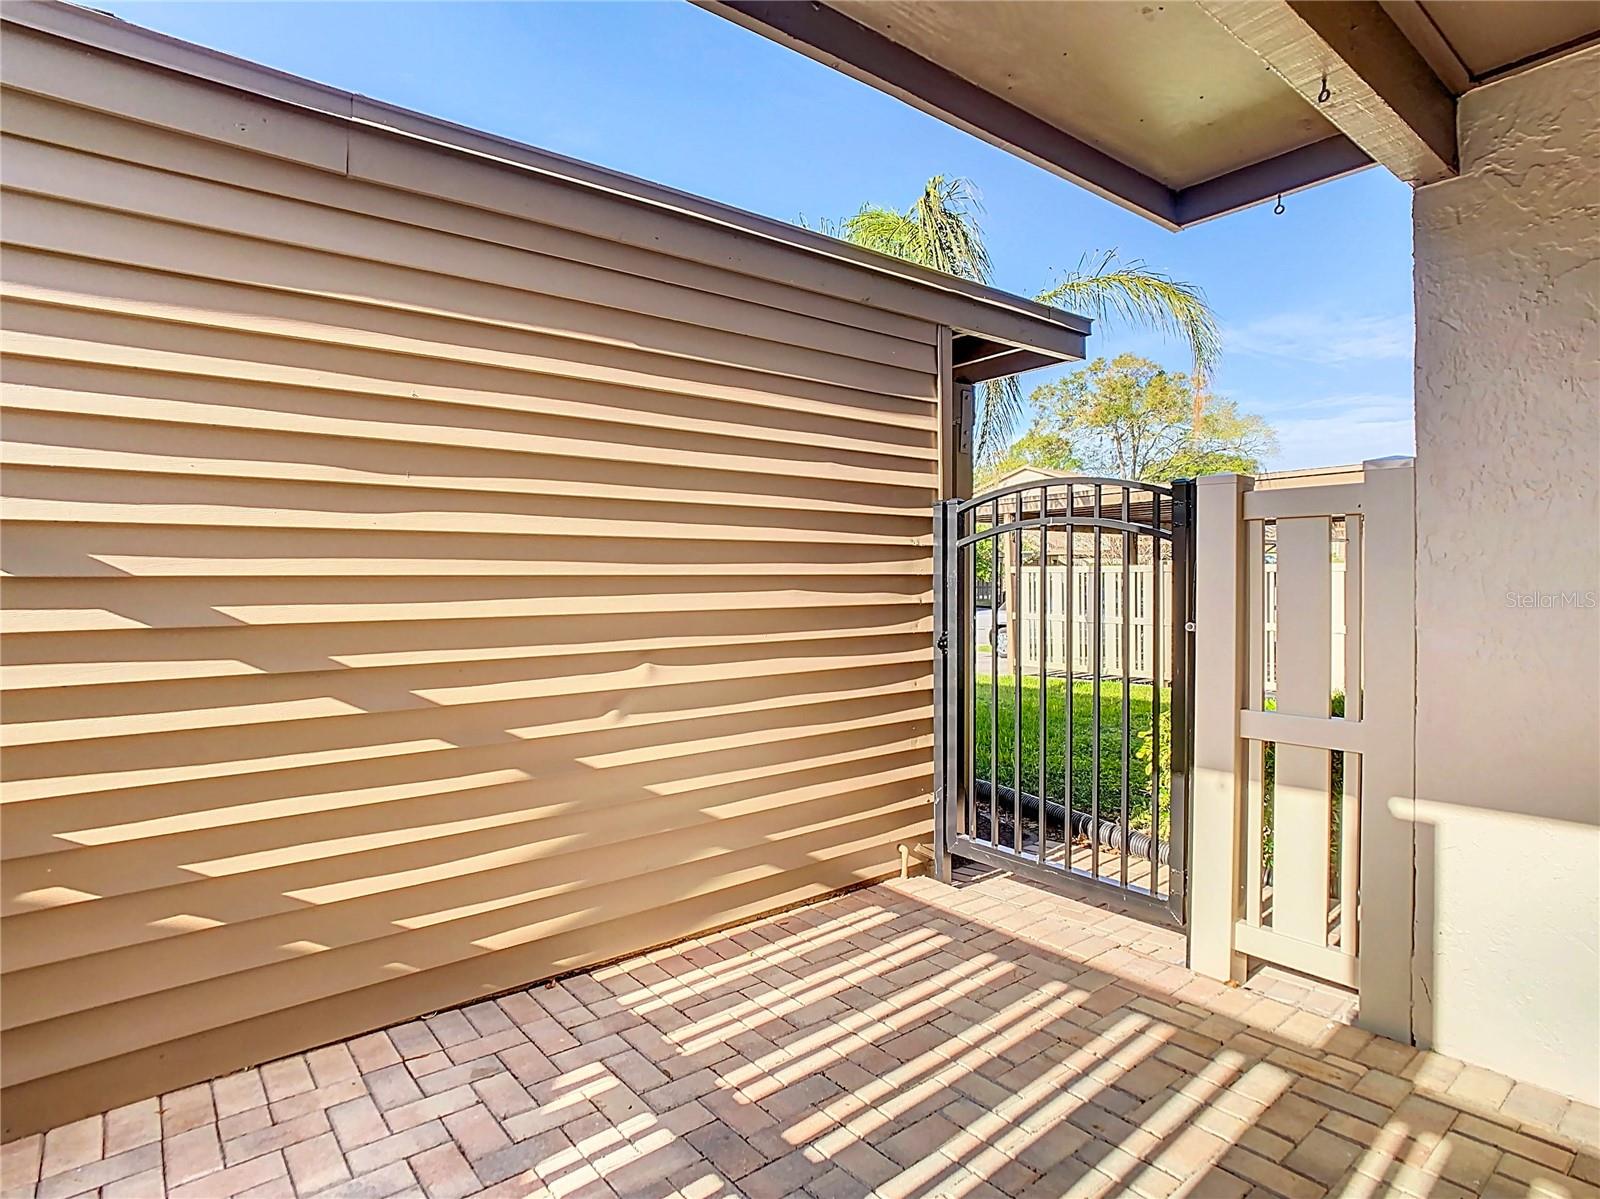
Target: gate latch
x=943 y=643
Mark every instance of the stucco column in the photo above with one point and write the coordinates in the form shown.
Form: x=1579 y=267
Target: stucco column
x=1507 y=959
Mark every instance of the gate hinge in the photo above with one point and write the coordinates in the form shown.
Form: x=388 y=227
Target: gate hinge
x=943 y=643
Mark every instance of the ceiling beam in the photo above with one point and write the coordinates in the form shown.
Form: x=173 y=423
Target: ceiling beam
x=1413 y=20
x=1380 y=92
x=1331 y=158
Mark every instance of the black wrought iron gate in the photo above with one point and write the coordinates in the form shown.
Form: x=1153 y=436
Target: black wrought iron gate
x=1063 y=683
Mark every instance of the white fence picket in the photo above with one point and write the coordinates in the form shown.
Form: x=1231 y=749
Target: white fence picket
x=1080 y=637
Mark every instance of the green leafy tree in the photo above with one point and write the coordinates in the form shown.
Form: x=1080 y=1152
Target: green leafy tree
x=1130 y=419
x=941 y=229
x=1046 y=448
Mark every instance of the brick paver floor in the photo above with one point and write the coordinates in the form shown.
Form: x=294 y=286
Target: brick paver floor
x=909 y=1039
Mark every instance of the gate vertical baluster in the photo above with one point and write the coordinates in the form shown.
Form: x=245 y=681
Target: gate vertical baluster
x=1128 y=543
x=1181 y=749
x=1014 y=653
x=1071 y=632
x=996 y=574
x=941 y=690
x=1155 y=694
x=1044 y=659
x=1098 y=650
x=958 y=630
x=967 y=668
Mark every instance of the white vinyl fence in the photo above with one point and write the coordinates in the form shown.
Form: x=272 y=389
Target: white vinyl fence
x=1302 y=592
x=1072 y=624
x=1080 y=616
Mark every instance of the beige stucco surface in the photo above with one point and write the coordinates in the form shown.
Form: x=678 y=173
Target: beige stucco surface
x=1505 y=968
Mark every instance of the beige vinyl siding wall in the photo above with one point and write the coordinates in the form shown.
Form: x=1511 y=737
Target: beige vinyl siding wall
x=419 y=580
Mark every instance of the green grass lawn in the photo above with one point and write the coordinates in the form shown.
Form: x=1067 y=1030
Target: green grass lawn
x=1139 y=714
x=1140 y=701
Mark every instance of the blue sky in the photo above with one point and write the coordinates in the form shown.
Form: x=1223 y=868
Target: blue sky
x=1315 y=304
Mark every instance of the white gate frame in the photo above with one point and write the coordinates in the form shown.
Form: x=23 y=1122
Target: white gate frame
x=1229 y=926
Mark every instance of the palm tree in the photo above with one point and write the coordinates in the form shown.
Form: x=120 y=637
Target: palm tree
x=941 y=230
x=1105 y=288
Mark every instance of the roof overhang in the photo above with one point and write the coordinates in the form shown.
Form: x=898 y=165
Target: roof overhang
x=1187 y=109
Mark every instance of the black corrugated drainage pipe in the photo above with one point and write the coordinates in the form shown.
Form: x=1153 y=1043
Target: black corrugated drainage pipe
x=1110 y=832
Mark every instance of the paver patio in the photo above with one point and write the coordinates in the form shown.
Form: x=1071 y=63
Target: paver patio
x=909 y=1039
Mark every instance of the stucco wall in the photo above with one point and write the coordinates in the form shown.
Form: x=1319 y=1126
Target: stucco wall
x=1508 y=750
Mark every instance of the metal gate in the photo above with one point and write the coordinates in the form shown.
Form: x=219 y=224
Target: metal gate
x=1063 y=707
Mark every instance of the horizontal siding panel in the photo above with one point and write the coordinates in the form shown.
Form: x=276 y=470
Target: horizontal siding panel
x=396 y=609
x=357 y=887
x=25 y=117
x=370 y=707
x=260 y=436
x=72 y=1040
x=143 y=341
x=138 y=468
x=44 y=718
x=72 y=363
x=415 y=585
x=155 y=554
x=572 y=299
x=377 y=879
x=52 y=662
x=550 y=347
x=48 y=67
x=274 y=804
x=101 y=506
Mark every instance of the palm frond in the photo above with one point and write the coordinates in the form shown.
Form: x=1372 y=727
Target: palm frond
x=1001 y=408
x=940 y=230
x=1102 y=286
x=825 y=225
x=950 y=239
x=881 y=229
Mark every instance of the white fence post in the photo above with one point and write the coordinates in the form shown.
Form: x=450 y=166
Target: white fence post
x=1388 y=821
x=1219 y=676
